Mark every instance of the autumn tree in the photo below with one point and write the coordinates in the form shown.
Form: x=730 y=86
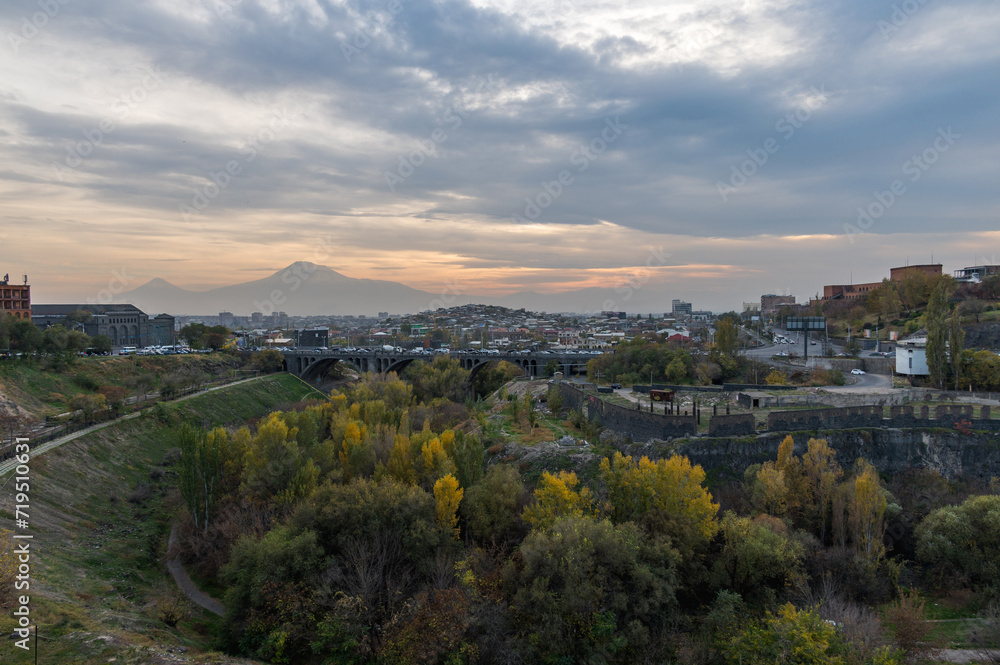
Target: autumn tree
x=447 y=497
x=791 y=637
x=558 y=497
x=492 y=506
x=770 y=491
x=202 y=459
x=275 y=469
x=88 y=405
x=589 y=591
x=673 y=486
x=759 y=560
x=726 y=337
x=866 y=511
x=822 y=472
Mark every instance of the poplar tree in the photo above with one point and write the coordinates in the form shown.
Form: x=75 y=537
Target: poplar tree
x=937 y=334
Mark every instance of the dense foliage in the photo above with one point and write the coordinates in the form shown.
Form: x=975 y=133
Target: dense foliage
x=374 y=527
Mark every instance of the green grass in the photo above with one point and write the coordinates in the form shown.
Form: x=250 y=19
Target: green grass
x=100 y=568
x=48 y=392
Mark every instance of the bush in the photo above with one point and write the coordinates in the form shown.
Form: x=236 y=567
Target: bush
x=906 y=616
x=964 y=538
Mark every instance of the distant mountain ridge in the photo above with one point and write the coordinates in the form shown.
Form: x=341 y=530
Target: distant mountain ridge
x=306 y=289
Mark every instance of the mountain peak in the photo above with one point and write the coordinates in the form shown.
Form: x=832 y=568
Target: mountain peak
x=158 y=283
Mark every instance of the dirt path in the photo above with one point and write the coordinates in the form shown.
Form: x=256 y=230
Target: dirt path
x=186 y=585
x=966 y=656
x=9 y=465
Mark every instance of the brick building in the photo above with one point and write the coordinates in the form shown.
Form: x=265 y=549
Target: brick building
x=15 y=299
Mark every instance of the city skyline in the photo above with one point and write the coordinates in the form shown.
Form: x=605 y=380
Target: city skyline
x=710 y=152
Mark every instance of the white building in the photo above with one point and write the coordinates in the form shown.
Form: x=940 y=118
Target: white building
x=911 y=357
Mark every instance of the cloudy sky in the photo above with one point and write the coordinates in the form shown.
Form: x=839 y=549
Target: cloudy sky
x=724 y=148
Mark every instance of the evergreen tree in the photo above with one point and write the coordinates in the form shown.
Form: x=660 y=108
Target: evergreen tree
x=937 y=334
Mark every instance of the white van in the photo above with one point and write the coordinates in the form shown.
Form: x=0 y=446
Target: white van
x=126 y=350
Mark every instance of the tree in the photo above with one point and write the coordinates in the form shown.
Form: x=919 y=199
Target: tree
x=491 y=507
x=268 y=602
x=726 y=337
x=87 y=405
x=558 y=497
x=114 y=396
x=823 y=473
x=268 y=360
x=759 y=560
x=444 y=377
x=554 y=399
x=937 y=334
x=447 y=497
x=792 y=637
x=770 y=491
x=956 y=341
x=776 y=378
x=101 y=344
x=964 y=538
x=866 y=512
x=673 y=486
x=588 y=591
x=202 y=460
x=974 y=306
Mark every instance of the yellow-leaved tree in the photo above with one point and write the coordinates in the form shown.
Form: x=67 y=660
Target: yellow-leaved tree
x=672 y=486
x=866 y=511
x=447 y=496
x=434 y=462
x=822 y=472
x=400 y=465
x=558 y=497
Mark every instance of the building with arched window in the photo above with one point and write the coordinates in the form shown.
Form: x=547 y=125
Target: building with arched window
x=124 y=325
x=15 y=299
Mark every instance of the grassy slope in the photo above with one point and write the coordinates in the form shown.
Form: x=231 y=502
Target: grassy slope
x=100 y=556
x=43 y=391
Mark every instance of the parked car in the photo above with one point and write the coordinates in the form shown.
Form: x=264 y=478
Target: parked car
x=616 y=386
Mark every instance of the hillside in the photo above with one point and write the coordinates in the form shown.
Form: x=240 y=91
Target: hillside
x=101 y=510
x=40 y=391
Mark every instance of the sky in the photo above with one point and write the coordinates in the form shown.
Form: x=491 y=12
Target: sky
x=720 y=149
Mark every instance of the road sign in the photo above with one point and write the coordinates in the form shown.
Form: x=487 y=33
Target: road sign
x=805 y=323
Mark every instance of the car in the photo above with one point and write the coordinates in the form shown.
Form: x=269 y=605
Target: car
x=616 y=386
x=857 y=371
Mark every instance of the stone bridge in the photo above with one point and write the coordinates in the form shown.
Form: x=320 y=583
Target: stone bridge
x=310 y=364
